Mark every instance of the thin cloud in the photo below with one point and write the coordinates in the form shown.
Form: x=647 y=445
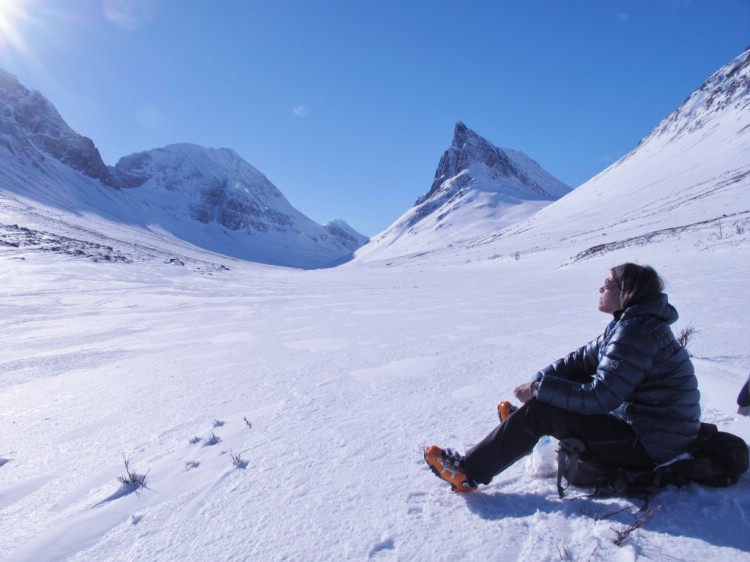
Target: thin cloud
x=623 y=17
x=301 y=111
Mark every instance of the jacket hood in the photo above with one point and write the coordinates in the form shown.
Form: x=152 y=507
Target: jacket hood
x=658 y=306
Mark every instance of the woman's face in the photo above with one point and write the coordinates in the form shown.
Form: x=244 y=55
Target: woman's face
x=609 y=296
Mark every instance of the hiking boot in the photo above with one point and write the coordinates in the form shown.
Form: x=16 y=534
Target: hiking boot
x=446 y=464
x=505 y=409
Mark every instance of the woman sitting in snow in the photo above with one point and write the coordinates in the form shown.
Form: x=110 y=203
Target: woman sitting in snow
x=630 y=395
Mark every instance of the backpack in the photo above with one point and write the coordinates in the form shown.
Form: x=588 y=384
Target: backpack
x=743 y=398
x=716 y=459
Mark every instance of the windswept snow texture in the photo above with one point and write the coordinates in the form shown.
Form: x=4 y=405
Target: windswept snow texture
x=344 y=375
x=280 y=414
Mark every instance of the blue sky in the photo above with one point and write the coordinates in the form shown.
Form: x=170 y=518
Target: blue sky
x=347 y=105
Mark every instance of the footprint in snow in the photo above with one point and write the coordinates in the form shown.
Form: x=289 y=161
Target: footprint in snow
x=415 y=502
x=382 y=549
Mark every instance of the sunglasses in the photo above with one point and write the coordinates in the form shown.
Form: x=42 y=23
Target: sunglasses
x=611 y=284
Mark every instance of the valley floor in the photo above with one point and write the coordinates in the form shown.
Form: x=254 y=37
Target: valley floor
x=280 y=414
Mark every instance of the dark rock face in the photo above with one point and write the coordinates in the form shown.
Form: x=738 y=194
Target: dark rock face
x=235 y=210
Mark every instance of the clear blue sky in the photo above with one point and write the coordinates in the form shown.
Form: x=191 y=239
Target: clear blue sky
x=347 y=105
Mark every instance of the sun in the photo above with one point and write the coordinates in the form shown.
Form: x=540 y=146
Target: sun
x=13 y=15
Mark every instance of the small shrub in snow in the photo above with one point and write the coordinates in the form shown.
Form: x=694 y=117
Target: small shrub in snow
x=131 y=478
x=640 y=522
x=218 y=423
x=195 y=439
x=685 y=335
x=238 y=461
x=247 y=423
x=191 y=464
x=212 y=440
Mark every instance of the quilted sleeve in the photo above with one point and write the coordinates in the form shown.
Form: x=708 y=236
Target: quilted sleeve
x=627 y=355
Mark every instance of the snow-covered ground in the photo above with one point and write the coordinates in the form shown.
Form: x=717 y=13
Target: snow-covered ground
x=327 y=384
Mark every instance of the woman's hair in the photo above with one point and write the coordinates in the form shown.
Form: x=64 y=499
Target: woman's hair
x=636 y=283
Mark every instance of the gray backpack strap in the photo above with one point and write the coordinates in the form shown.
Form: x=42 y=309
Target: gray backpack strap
x=568 y=452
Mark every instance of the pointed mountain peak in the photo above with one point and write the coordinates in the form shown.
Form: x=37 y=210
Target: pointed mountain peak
x=478 y=188
x=460 y=133
x=473 y=162
x=463 y=136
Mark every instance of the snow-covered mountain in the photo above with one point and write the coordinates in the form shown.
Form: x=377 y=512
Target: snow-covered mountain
x=211 y=198
x=245 y=215
x=687 y=182
x=32 y=130
x=478 y=188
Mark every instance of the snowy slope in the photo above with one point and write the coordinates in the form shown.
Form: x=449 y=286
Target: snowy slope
x=690 y=178
x=322 y=387
x=477 y=189
x=211 y=198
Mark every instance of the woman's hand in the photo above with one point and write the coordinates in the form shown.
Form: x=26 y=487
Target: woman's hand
x=525 y=392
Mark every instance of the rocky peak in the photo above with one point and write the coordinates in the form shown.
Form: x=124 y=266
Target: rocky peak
x=32 y=128
x=470 y=155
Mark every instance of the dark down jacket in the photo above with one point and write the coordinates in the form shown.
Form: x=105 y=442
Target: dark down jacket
x=638 y=371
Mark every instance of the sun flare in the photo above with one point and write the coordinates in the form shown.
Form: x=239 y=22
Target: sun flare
x=12 y=16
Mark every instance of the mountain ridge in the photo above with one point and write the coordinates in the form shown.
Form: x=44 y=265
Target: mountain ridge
x=687 y=179
x=31 y=126
x=209 y=197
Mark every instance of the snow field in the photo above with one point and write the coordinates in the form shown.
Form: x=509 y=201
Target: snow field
x=345 y=375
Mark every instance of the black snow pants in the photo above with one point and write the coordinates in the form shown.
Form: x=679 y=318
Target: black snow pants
x=607 y=438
